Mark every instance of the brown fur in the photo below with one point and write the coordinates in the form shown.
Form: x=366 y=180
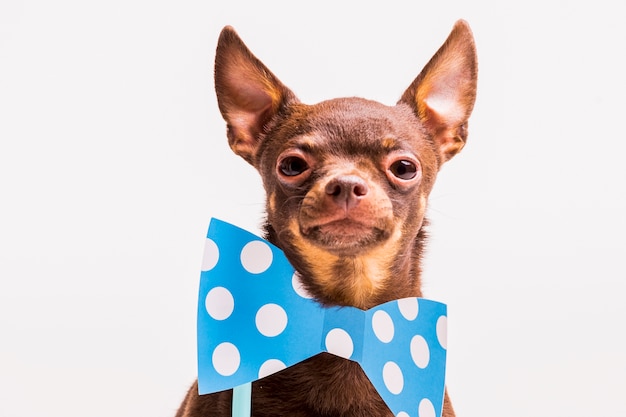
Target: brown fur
x=347 y=184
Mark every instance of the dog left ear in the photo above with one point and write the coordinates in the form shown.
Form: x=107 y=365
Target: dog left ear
x=443 y=94
x=248 y=94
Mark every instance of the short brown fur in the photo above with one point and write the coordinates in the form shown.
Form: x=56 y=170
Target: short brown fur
x=347 y=182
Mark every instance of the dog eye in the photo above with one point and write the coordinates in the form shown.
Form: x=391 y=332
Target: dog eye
x=292 y=166
x=403 y=169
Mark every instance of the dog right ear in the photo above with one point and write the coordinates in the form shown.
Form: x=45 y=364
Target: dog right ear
x=443 y=94
x=248 y=94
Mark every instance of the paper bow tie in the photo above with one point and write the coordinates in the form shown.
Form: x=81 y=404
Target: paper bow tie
x=255 y=319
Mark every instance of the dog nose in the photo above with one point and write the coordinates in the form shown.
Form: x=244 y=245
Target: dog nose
x=347 y=190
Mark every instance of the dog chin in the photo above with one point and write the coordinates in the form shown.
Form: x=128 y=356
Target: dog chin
x=344 y=237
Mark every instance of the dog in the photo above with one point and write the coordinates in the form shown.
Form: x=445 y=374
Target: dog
x=347 y=183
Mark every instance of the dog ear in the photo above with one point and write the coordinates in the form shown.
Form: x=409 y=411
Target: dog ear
x=443 y=94
x=248 y=94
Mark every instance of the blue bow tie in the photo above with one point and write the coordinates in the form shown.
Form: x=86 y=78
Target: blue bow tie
x=255 y=319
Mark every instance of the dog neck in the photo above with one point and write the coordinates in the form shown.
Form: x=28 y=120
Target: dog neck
x=388 y=272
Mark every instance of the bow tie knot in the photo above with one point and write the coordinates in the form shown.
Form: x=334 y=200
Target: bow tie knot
x=255 y=318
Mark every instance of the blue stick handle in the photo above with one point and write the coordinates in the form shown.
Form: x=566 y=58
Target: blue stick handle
x=242 y=398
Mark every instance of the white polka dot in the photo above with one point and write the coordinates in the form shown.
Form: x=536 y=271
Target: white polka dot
x=298 y=287
x=270 y=366
x=392 y=376
x=271 y=320
x=402 y=414
x=426 y=408
x=442 y=331
x=409 y=308
x=420 y=351
x=219 y=303
x=211 y=255
x=226 y=359
x=338 y=342
x=256 y=257
x=383 y=326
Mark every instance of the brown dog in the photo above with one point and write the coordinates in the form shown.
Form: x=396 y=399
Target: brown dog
x=347 y=183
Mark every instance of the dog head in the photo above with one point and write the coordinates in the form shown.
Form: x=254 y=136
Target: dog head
x=347 y=180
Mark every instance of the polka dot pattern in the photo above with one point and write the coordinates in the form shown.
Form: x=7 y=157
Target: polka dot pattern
x=298 y=286
x=442 y=331
x=219 y=303
x=211 y=255
x=426 y=409
x=256 y=257
x=271 y=320
x=270 y=367
x=383 y=326
x=392 y=375
x=256 y=318
x=408 y=308
x=338 y=342
x=420 y=352
x=226 y=359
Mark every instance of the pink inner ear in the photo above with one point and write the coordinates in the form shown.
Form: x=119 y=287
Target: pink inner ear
x=245 y=127
x=243 y=121
x=246 y=108
x=444 y=94
x=247 y=93
x=445 y=108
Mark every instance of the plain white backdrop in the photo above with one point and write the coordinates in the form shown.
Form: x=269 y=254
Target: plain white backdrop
x=113 y=157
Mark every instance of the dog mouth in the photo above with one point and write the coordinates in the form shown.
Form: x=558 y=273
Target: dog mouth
x=344 y=236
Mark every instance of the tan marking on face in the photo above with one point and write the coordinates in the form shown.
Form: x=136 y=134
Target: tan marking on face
x=271 y=202
x=321 y=260
x=421 y=209
x=353 y=280
x=389 y=143
x=307 y=141
x=372 y=271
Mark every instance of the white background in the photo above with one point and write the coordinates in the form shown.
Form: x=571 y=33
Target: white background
x=113 y=157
